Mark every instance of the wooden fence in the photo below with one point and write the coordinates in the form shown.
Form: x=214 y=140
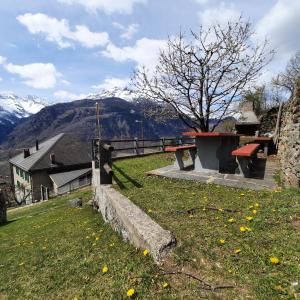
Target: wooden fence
x=105 y=151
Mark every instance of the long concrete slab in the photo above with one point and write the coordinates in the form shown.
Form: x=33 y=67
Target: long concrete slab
x=132 y=223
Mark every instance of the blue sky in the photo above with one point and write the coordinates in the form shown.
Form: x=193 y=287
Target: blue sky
x=64 y=49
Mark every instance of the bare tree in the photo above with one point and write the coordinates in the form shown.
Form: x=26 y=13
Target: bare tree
x=201 y=76
x=287 y=80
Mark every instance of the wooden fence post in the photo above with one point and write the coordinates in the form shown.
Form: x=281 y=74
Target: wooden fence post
x=136 y=146
x=163 y=145
x=105 y=163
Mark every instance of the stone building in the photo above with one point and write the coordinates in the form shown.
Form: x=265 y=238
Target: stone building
x=289 y=141
x=31 y=169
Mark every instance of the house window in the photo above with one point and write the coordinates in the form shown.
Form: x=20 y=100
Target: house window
x=17 y=170
x=26 y=176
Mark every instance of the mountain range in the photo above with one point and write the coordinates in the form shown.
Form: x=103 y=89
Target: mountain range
x=23 y=120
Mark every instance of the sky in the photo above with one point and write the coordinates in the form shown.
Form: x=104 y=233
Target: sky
x=65 y=49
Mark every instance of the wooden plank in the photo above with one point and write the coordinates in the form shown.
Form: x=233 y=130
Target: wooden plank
x=247 y=150
x=174 y=149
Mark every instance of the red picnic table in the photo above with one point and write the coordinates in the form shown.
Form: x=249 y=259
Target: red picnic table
x=264 y=140
x=214 y=151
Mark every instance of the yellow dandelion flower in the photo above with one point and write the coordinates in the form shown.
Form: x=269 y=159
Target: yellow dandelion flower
x=237 y=251
x=193 y=194
x=242 y=194
x=249 y=218
x=278 y=288
x=97 y=238
x=242 y=228
x=254 y=211
x=231 y=220
x=149 y=210
x=75 y=298
x=274 y=260
x=130 y=292
x=104 y=269
x=165 y=285
x=222 y=242
x=146 y=252
x=112 y=244
x=256 y=205
x=94 y=244
x=229 y=271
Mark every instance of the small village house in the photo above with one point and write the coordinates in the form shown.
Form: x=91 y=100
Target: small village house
x=57 y=165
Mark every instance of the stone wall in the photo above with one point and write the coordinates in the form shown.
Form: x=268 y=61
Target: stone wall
x=289 y=142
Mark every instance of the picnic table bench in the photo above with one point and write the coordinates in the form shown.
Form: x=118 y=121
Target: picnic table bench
x=179 y=153
x=245 y=157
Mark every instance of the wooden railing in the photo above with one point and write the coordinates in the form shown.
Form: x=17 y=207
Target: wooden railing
x=136 y=147
x=105 y=151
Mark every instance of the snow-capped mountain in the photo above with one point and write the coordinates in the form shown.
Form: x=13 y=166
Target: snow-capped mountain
x=13 y=106
x=123 y=93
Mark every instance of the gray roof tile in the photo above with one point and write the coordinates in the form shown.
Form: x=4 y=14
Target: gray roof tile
x=61 y=179
x=28 y=162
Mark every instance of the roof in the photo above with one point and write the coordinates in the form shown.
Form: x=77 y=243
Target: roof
x=67 y=150
x=61 y=179
x=35 y=155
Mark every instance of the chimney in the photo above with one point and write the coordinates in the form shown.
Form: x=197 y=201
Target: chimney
x=52 y=158
x=37 y=145
x=26 y=152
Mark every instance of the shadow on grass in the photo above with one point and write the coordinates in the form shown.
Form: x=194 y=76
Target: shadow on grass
x=130 y=179
x=7 y=223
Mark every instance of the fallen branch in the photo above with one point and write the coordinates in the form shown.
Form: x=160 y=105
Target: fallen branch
x=204 y=284
x=193 y=210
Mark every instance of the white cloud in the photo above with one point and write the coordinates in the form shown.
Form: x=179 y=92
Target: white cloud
x=282 y=26
x=201 y=1
x=108 y=6
x=68 y=96
x=112 y=82
x=127 y=32
x=145 y=52
x=59 y=31
x=36 y=75
x=1 y=79
x=219 y=15
x=2 y=60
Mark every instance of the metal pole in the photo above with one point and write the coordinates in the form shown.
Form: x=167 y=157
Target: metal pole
x=98 y=119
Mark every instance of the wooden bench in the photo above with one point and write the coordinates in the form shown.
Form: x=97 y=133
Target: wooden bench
x=245 y=157
x=179 y=152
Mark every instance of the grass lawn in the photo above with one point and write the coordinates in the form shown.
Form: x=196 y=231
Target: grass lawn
x=229 y=238
x=51 y=251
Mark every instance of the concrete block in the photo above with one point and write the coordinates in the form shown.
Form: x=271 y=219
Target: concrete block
x=132 y=223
